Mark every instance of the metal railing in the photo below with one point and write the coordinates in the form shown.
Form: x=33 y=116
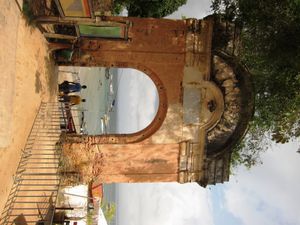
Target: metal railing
x=37 y=180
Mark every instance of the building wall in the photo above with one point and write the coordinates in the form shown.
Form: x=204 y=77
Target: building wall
x=137 y=163
x=170 y=52
x=174 y=54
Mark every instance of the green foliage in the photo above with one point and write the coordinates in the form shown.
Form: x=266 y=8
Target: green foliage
x=117 y=8
x=109 y=210
x=89 y=217
x=270 y=47
x=148 y=8
x=248 y=152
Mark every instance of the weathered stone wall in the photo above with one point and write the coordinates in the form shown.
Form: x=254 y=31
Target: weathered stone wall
x=173 y=54
x=122 y=163
x=177 y=56
x=165 y=50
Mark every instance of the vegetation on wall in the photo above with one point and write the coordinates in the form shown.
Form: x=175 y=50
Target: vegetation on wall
x=109 y=210
x=270 y=47
x=28 y=12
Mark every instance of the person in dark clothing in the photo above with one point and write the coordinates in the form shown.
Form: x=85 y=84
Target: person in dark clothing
x=69 y=87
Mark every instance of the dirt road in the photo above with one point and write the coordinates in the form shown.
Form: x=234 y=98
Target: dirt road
x=28 y=77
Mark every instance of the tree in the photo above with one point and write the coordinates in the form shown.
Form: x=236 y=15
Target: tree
x=270 y=47
x=148 y=8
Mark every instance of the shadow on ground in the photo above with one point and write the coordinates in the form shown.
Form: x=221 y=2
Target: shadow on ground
x=52 y=73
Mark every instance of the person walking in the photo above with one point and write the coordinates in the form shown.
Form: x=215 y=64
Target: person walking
x=69 y=87
x=72 y=99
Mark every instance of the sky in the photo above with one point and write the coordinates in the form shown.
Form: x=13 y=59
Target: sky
x=137 y=101
x=268 y=194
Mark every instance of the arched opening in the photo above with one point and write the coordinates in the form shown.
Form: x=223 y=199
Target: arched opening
x=137 y=101
x=121 y=102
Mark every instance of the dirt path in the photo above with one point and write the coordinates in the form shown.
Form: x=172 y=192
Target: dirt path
x=28 y=77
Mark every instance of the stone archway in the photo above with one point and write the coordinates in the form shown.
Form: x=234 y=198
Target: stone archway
x=172 y=147
x=142 y=134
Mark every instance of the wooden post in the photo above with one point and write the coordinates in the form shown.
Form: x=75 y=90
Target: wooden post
x=59 y=36
x=57 y=46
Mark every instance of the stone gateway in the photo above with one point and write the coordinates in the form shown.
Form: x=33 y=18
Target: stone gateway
x=205 y=99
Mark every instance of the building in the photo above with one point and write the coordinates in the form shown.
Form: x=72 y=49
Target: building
x=205 y=96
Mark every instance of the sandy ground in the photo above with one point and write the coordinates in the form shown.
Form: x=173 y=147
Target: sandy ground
x=28 y=77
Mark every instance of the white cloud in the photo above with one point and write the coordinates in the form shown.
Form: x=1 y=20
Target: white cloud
x=164 y=204
x=137 y=101
x=268 y=194
x=193 y=9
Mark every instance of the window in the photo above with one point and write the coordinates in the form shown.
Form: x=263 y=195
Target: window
x=100 y=31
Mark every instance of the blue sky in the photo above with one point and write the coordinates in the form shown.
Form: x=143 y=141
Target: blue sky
x=268 y=194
